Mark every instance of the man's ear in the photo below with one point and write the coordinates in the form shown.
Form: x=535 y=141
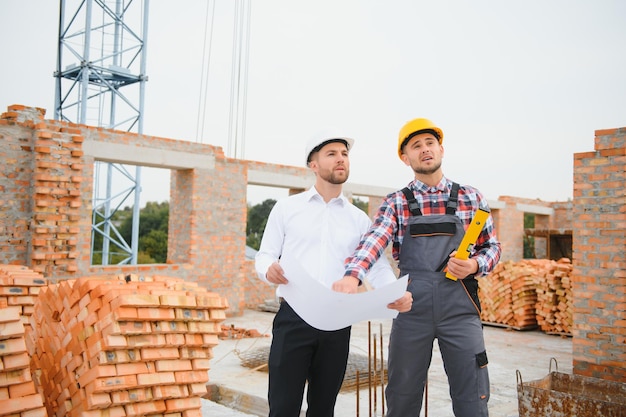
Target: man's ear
x=405 y=159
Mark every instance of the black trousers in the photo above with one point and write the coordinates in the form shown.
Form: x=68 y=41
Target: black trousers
x=301 y=354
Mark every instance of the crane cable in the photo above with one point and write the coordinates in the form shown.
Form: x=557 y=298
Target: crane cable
x=204 y=78
x=241 y=51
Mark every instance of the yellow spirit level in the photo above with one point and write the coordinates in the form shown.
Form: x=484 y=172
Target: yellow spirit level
x=469 y=239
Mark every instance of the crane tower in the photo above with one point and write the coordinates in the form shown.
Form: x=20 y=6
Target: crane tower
x=100 y=80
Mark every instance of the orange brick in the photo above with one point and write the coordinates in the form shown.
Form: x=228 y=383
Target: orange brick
x=30 y=281
x=217 y=315
x=132 y=395
x=191 y=377
x=36 y=412
x=211 y=301
x=173 y=365
x=145 y=340
x=98 y=372
x=114 y=383
x=192 y=413
x=182 y=404
x=169 y=327
x=155 y=313
x=22 y=390
x=210 y=340
x=178 y=301
x=109 y=412
x=12 y=346
x=141 y=409
x=170 y=391
x=126 y=327
x=13 y=290
x=189 y=314
x=132 y=368
x=148 y=354
x=11 y=329
x=201 y=327
x=175 y=339
x=158 y=378
x=15 y=361
x=8 y=314
x=135 y=300
x=194 y=339
x=198 y=389
x=98 y=401
x=190 y=353
x=201 y=364
x=19 y=405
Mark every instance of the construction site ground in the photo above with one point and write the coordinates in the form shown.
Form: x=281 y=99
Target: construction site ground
x=238 y=386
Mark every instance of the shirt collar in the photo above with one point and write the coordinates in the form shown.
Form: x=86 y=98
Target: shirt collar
x=442 y=186
x=312 y=194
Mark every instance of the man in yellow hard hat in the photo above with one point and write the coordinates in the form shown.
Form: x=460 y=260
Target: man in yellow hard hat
x=425 y=222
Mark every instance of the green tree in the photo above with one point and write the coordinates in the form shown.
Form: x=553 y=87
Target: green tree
x=257 y=219
x=152 y=236
x=363 y=205
x=529 y=241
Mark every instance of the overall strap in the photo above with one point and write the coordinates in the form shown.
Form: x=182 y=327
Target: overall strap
x=453 y=200
x=414 y=207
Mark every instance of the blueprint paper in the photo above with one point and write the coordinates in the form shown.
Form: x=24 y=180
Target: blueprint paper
x=325 y=309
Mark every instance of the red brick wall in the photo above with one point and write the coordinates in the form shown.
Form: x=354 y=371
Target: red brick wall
x=599 y=246
x=47 y=186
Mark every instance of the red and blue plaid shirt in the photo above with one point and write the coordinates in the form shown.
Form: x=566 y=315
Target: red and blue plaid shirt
x=393 y=214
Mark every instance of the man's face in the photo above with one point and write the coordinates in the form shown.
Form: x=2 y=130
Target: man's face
x=423 y=153
x=331 y=163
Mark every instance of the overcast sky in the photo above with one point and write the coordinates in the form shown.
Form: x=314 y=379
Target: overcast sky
x=518 y=87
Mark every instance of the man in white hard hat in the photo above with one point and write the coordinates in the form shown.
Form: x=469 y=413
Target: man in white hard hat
x=317 y=229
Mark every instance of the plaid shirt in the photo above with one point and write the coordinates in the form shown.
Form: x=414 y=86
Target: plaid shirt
x=392 y=217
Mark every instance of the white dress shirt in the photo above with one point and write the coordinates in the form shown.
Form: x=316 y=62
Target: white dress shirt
x=319 y=236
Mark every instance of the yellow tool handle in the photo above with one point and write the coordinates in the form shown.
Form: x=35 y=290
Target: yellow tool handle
x=470 y=237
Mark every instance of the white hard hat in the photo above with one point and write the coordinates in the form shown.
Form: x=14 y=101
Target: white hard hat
x=324 y=137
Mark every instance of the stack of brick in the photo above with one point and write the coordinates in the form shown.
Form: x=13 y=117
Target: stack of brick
x=529 y=293
x=554 y=296
x=124 y=346
x=508 y=295
x=19 y=287
x=18 y=394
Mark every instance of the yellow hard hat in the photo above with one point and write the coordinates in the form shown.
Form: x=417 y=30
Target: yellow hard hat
x=414 y=127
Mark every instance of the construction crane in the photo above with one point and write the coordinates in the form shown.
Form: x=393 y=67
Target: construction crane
x=101 y=79
x=101 y=56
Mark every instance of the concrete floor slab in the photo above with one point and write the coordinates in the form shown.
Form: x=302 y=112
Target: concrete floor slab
x=243 y=390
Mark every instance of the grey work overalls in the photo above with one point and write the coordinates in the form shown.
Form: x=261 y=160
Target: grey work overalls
x=442 y=308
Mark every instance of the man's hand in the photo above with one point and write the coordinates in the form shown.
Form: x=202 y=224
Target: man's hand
x=346 y=284
x=462 y=268
x=275 y=274
x=402 y=304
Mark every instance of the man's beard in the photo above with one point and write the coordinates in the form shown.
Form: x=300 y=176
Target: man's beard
x=333 y=178
x=427 y=171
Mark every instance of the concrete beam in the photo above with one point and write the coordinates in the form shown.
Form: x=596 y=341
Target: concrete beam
x=144 y=156
x=535 y=209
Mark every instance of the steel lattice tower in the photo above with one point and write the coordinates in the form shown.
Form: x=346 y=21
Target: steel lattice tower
x=100 y=80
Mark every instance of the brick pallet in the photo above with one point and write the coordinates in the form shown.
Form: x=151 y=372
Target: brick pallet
x=528 y=294
x=19 y=397
x=126 y=346
x=109 y=346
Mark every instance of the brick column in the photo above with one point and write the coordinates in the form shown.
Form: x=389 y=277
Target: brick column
x=599 y=245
